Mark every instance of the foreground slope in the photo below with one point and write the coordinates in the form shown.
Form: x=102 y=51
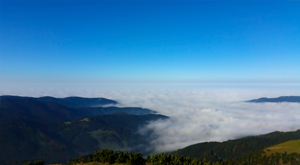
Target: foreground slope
x=287 y=153
x=218 y=151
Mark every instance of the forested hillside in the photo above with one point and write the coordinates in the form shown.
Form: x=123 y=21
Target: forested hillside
x=111 y=157
x=218 y=151
x=254 y=158
x=283 y=153
x=47 y=130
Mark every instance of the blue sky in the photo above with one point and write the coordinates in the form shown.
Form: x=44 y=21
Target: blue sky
x=150 y=42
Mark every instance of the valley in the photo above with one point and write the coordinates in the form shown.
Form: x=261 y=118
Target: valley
x=56 y=131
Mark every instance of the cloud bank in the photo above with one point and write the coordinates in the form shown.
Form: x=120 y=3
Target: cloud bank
x=197 y=114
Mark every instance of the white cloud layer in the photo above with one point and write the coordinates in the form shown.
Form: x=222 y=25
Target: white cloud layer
x=197 y=114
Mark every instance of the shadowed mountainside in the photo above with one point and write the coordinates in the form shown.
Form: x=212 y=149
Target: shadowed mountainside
x=50 y=108
x=32 y=129
x=24 y=140
x=72 y=102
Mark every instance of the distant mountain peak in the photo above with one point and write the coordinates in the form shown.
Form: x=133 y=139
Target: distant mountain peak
x=293 y=99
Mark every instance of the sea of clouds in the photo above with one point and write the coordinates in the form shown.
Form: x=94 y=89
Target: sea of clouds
x=197 y=113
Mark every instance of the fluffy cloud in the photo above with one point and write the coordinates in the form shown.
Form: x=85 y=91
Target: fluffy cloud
x=197 y=114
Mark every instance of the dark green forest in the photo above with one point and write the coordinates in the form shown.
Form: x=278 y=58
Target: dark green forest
x=219 y=151
x=55 y=133
x=254 y=158
x=111 y=157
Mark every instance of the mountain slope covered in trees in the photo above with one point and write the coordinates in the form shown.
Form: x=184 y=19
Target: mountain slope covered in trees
x=280 y=154
x=254 y=158
x=48 y=130
x=219 y=151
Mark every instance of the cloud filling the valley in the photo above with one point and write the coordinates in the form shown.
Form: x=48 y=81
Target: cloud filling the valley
x=197 y=114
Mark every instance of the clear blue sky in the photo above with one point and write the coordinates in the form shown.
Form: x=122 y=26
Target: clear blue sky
x=150 y=41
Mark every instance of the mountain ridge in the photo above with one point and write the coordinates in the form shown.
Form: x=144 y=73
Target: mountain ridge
x=50 y=108
x=71 y=102
x=293 y=99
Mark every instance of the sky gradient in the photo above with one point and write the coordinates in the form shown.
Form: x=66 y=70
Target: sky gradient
x=150 y=42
